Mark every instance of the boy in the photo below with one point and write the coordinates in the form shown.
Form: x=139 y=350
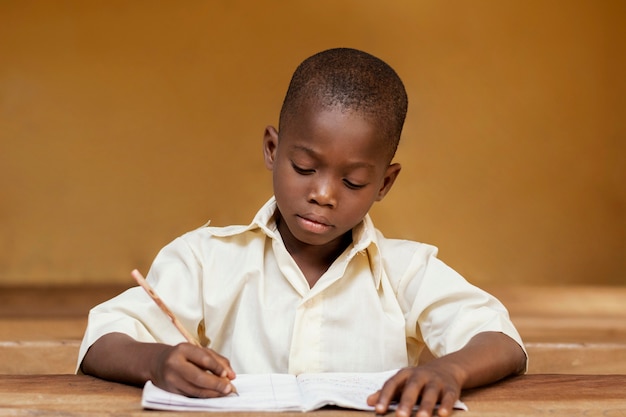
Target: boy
x=310 y=285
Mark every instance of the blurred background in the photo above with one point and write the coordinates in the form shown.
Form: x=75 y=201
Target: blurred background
x=124 y=124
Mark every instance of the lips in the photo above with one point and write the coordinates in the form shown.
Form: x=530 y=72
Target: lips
x=313 y=223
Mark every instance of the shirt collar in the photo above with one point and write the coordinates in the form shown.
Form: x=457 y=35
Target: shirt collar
x=365 y=241
x=265 y=219
x=364 y=235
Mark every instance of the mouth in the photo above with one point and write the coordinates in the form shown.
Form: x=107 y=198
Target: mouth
x=314 y=224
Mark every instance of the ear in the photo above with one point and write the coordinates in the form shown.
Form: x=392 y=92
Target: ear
x=391 y=174
x=270 y=146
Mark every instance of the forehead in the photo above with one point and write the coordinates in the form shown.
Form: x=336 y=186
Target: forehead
x=335 y=130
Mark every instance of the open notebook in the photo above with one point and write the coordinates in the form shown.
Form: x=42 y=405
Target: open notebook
x=280 y=392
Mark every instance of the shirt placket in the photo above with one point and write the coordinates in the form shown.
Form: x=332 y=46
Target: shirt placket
x=305 y=352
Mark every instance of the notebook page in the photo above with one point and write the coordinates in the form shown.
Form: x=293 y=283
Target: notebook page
x=348 y=390
x=266 y=392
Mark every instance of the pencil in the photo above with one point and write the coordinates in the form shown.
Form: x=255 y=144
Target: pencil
x=155 y=297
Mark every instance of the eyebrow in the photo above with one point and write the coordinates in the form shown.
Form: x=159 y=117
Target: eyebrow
x=353 y=165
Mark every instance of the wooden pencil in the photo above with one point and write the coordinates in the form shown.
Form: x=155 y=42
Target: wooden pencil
x=155 y=297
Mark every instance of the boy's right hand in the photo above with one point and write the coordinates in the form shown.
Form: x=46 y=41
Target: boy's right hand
x=183 y=369
x=192 y=371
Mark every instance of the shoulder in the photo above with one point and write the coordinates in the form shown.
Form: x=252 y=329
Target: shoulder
x=398 y=255
x=220 y=234
x=412 y=267
x=207 y=231
x=261 y=227
x=214 y=240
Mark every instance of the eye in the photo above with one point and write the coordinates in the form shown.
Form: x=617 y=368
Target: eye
x=352 y=185
x=302 y=171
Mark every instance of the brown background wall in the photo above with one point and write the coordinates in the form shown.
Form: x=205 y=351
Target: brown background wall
x=124 y=124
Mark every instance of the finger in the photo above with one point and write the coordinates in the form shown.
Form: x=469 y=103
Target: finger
x=209 y=360
x=183 y=377
x=447 y=403
x=372 y=399
x=197 y=382
x=388 y=392
x=430 y=397
x=219 y=387
x=188 y=366
x=412 y=390
x=224 y=362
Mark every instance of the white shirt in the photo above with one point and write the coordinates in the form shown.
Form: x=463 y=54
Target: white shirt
x=374 y=309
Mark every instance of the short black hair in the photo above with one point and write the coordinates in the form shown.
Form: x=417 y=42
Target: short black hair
x=353 y=80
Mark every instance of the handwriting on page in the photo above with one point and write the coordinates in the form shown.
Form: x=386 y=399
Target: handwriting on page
x=346 y=390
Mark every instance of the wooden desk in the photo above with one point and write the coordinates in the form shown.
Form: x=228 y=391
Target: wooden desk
x=529 y=395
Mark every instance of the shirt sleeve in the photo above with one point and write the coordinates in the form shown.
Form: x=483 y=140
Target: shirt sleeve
x=175 y=276
x=443 y=309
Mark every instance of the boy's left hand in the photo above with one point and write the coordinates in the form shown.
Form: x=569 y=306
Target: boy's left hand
x=430 y=384
x=486 y=358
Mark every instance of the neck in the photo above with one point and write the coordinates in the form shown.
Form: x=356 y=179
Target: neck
x=313 y=260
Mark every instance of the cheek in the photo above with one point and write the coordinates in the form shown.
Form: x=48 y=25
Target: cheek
x=284 y=179
x=360 y=206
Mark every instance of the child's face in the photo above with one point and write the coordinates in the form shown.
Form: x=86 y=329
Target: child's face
x=329 y=166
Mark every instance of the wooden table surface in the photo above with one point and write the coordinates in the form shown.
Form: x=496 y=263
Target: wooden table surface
x=529 y=395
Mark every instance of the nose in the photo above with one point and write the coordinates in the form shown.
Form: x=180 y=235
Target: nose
x=322 y=192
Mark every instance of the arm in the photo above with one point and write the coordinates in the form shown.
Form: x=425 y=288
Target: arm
x=487 y=357
x=183 y=369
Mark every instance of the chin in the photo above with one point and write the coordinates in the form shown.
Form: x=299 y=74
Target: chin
x=313 y=241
